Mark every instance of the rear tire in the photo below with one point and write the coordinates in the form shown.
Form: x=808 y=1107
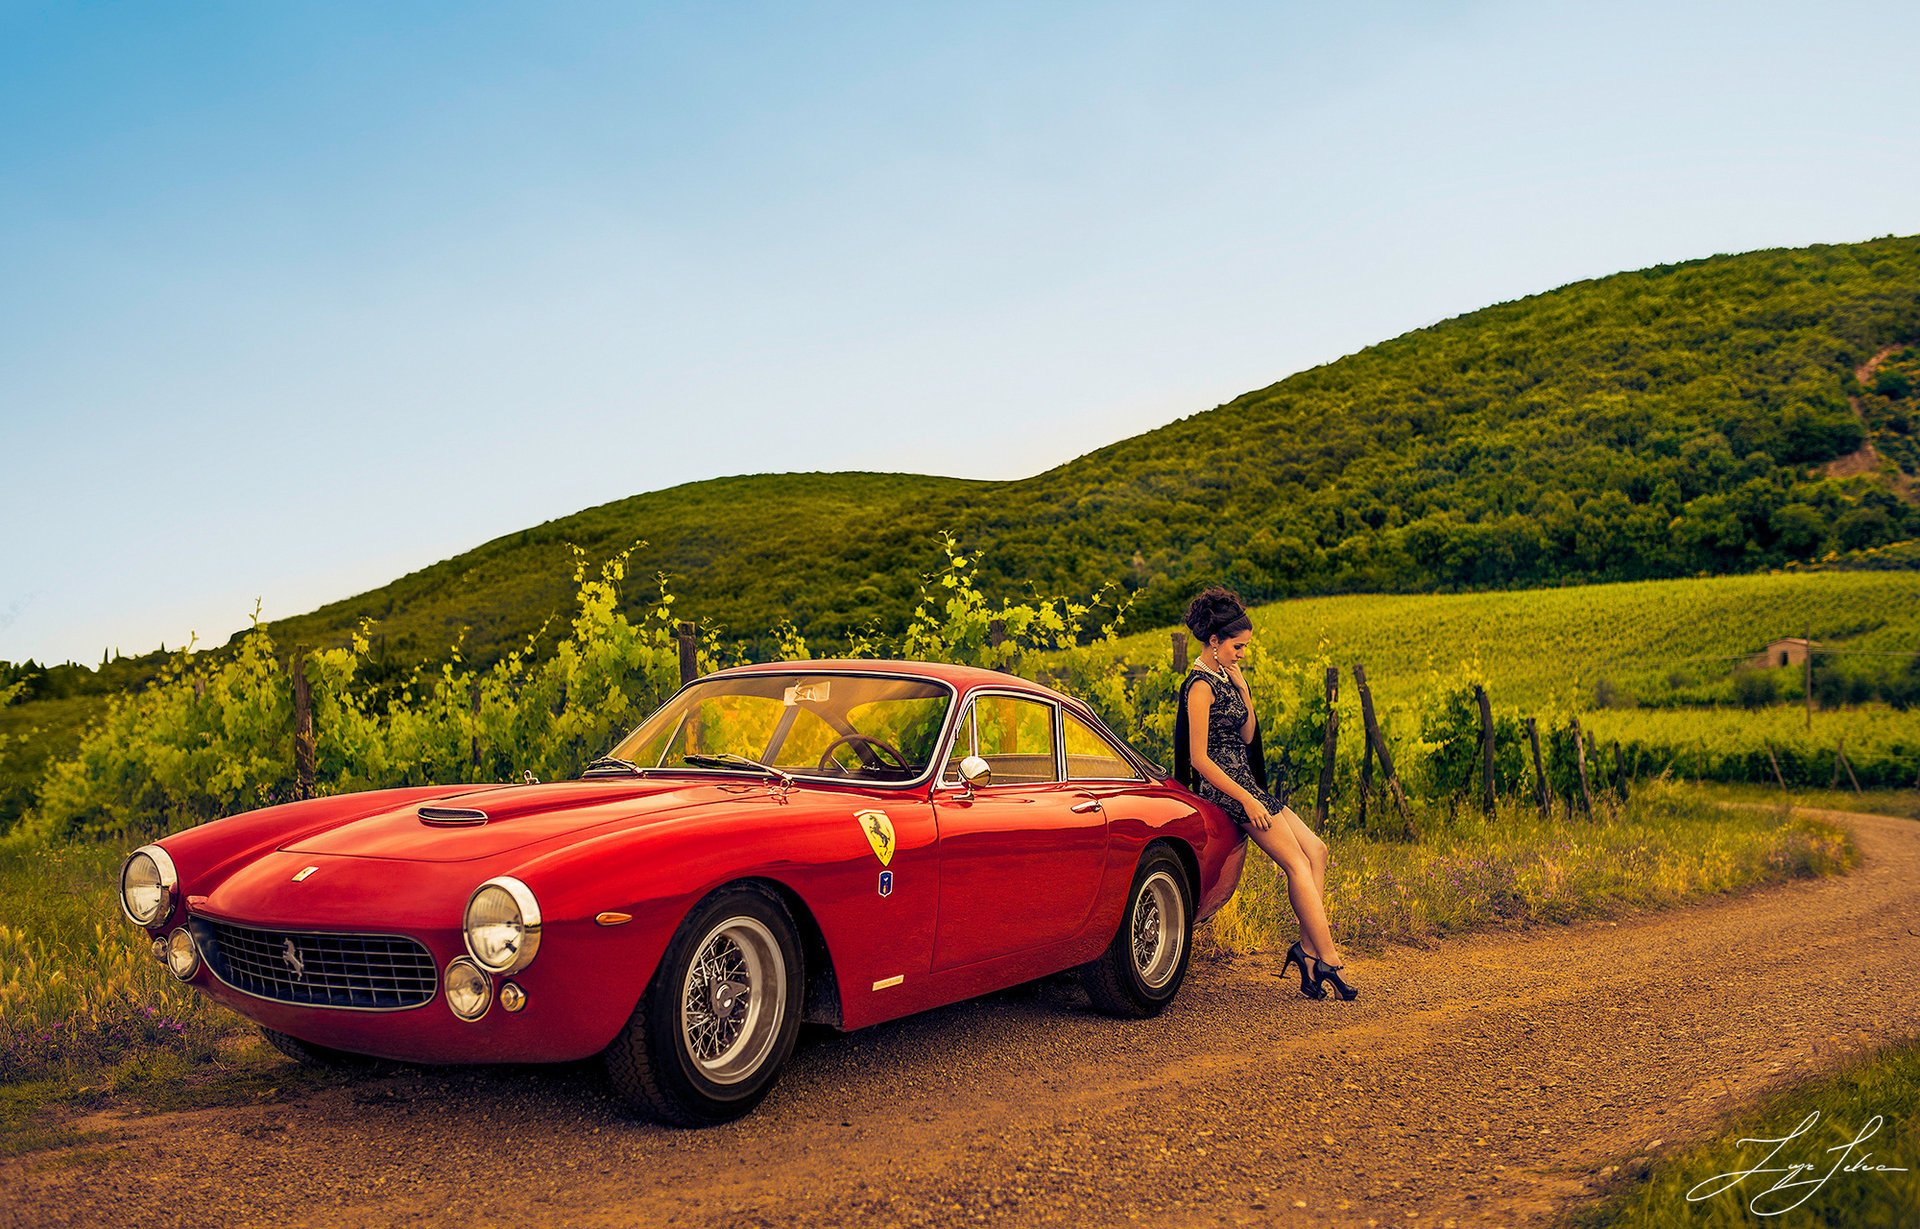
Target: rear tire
x=718 y=1020
x=1142 y=969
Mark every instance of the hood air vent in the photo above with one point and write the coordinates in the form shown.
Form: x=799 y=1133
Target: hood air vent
x=452 y=817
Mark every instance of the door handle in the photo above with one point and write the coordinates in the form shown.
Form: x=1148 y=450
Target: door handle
x=1087 y=807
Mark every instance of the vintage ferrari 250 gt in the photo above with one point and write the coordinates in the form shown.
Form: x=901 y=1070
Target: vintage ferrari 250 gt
x=836 y=841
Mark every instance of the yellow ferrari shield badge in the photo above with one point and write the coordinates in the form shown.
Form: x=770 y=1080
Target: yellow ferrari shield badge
x=879 y=830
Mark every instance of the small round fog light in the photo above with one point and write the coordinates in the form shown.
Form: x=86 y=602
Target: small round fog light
x=182 y=957
x=160 y=950
x=512 y=997
x=469 y=991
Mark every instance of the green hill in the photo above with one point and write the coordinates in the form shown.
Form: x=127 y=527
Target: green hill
x=1660 y=423
x=1719 y=416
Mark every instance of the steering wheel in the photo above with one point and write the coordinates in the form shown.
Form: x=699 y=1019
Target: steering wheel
x=866 y=748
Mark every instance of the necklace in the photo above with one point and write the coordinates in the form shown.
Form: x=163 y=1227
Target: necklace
x=1215 y=670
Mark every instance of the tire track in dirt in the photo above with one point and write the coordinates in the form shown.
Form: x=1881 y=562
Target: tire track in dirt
x=1487 y=1080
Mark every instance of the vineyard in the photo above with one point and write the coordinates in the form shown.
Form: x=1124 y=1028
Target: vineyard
x=1619 y=676
x=223 y=732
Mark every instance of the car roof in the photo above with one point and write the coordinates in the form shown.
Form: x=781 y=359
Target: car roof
x=962 y=678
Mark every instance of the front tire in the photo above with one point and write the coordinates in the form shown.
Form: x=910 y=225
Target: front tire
x=1141 y=970
x=719 y=1018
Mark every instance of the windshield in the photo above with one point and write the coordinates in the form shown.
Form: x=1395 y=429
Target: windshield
x=826 y=725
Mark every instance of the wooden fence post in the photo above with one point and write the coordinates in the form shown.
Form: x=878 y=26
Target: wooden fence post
x=1848 y=764
x=1380 y=747
x=303 y=744
x=1619 y=772
x=997 y=636
x=1580 y=753
x=476 y=727
x=689 y=657
x=1774 y=760
x=1180 y=654
x=1486 y=748
x=1539 y=773
x=1326 y=756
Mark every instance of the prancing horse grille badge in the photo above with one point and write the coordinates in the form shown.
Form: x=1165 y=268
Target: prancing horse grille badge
x=291 y=955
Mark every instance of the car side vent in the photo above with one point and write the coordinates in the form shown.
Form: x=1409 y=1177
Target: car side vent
x=452 y=817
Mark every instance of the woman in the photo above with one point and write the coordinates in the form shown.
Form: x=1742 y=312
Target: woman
x=1216 y=749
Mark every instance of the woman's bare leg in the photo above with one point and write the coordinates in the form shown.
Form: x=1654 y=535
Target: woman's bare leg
x=1310 y=842
x=1280 y=844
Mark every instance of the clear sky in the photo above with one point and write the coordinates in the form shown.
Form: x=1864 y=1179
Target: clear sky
x=297 y=298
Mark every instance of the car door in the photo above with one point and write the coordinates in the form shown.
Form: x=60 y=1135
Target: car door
x=1020 y=857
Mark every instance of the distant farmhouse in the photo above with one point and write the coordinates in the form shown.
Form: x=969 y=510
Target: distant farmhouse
x=1791 y=651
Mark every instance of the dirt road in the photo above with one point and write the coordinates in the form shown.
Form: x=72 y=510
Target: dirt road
x=1486 y=1081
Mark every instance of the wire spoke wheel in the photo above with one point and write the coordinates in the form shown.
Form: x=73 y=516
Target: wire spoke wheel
x=1159 y=929
x=733 y=999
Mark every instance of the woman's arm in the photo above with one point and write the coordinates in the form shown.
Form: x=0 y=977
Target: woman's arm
x=1199 y=704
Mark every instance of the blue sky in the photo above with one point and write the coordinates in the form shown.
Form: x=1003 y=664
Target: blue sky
x=295 y=299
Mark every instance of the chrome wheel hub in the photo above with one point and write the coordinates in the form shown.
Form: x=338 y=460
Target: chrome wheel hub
x=733 y=1001
x=1159 y=929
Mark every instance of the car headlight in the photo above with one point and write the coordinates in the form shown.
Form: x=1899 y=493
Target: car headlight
x=147 y=882
x=469 y=991
x=503 y=925
x=183 y=957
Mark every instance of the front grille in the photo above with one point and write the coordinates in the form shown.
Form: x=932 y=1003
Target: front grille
x=375 y=972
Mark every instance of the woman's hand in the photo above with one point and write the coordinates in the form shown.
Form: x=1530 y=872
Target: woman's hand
x=1257 y=814
x=1239 y=680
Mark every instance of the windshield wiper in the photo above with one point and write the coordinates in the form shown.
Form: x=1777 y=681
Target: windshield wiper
x=614 y=761
x=727 y=759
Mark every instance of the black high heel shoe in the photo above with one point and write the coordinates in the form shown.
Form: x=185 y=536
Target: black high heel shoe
x=1322 y=971
x=1308 y=986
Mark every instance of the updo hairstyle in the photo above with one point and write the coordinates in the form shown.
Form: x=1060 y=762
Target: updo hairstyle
x=1217 y=612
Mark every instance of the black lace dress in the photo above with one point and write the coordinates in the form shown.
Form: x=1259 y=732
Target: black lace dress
x=1243 y=761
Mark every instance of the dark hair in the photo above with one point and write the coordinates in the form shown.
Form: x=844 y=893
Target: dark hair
x=1217 y=612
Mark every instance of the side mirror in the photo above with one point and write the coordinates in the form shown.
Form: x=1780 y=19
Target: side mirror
x=974 y=772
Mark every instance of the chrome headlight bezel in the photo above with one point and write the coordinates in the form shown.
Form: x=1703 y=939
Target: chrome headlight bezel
x=453 y=970
x=165 y=875
x=528 y=925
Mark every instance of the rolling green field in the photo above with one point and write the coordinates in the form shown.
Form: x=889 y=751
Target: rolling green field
x=1553 y=648
x=1649 y=664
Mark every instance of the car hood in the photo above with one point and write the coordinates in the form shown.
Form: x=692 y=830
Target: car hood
x=517 y=816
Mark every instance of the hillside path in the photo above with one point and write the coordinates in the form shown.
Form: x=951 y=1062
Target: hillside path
x=1486 y=1080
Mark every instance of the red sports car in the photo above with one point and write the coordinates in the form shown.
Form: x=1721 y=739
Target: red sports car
x=836 y=841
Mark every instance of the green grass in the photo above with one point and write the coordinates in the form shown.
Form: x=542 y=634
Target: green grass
x=1668 y=846
x=80 y=989
x=1654 y=1191
x=88 y=1017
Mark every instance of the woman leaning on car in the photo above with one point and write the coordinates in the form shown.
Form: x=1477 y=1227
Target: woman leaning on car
x=1217 y=754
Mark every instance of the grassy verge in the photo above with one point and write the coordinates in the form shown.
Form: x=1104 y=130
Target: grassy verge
x=89 y=1018
x=1656 y=1191
x=1670 y=844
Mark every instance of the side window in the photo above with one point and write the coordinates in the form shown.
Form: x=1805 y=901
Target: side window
x=1015 y=737
x=1091 y=757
